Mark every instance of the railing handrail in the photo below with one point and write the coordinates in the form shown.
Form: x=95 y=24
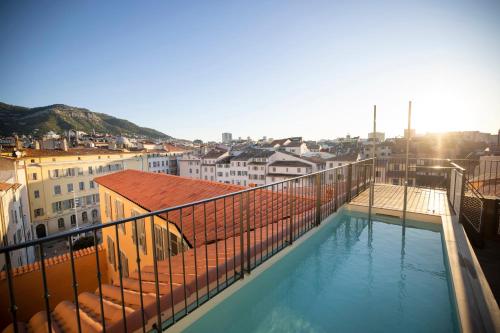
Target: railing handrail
x=81 y=230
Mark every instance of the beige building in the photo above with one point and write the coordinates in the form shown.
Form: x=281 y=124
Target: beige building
x=131 y=193
x=61 y=189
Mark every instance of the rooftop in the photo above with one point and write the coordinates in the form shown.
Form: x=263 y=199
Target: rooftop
x=290 y=164
x=27 y=153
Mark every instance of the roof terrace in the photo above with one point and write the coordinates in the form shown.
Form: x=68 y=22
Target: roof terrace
x=152 y=271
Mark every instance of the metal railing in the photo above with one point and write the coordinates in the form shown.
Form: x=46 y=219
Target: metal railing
x=483 y=175
x=185 y=255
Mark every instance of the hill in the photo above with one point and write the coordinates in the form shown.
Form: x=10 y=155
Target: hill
x=60 y=118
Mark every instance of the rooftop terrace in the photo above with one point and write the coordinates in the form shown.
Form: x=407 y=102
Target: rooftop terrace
x=156 y=286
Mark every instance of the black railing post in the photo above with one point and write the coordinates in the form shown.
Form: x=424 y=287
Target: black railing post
x=462 y=196
x=155 y=270
x=349 y=182
x=318 y=199
x=249 y=255
x=74 y=284
x=291 y=201
x=12 y=300
x=45 y=288
x=99 y=281
x=242 y=245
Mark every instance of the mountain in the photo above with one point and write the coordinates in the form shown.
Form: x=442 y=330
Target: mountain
x=60 y=117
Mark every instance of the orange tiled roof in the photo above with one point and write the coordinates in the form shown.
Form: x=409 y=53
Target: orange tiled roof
x=153 y=191
x=8 y=186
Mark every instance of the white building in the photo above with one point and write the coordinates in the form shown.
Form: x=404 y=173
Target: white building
x=382 y=150
x=286 y=169
x=296 y=147
x=189 y=166
x=15 y=219
x=208 y=164
x=158 y=161
x=227 y=138
x=379 y=136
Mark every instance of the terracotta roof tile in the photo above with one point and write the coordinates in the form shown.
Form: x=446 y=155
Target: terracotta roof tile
x=153 y=191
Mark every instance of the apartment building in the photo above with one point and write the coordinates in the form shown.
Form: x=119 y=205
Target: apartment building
x=61 y=189
x=208 y=164
x=203 y=167
x=382 y=150
x=189 y=166
x=286 y=169
x=222 y=169
x=15 y=226
x=296 y=147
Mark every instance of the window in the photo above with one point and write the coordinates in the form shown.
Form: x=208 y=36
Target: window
x=85 y=217
x=57 y=189
x=95 y=215
x=36 y=193
x=70 y=171
x=57 y=207
x=82 y=186
x=73 y=220
x=60 y=223
x=107 y=205
x=111 y=253
x=124 y=264
x=298 y=170
x=174 y=244
x=119 y=214
x=70 y=187
x=118 y=209
x=91 y=170
x=91 y=184
x=141 y=232
x=160 y=253
x=38 y=212
x=34 y=176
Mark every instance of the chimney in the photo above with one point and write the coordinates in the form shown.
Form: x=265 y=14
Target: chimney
x=65 y=145
x=37 y=144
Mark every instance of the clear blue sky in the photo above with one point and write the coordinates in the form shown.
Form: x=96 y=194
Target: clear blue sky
x=194 y=69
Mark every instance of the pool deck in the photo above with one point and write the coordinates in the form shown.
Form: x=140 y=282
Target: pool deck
x=420 y=200
x=476 y=305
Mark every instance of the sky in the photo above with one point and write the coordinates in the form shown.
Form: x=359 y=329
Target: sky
x=195 y=69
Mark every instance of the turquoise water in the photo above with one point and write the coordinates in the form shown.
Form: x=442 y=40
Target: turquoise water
x=346 y=278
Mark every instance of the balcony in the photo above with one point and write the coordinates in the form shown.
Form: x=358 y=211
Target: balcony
x=224 y=240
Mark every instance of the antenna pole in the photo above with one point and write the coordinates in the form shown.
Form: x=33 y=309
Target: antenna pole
x=372 y=183
x=408 y=138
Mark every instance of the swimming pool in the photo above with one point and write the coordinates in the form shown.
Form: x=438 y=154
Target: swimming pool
x=351 y=276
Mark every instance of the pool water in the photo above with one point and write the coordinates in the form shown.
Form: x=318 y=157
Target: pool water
x=349 y=277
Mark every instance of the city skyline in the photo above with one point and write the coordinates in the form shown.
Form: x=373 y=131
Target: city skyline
x=316 y=69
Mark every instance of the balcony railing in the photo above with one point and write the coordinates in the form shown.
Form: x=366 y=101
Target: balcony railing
x=172 y=261
x=155 y=282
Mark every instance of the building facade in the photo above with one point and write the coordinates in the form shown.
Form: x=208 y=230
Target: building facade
x=61 y=188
